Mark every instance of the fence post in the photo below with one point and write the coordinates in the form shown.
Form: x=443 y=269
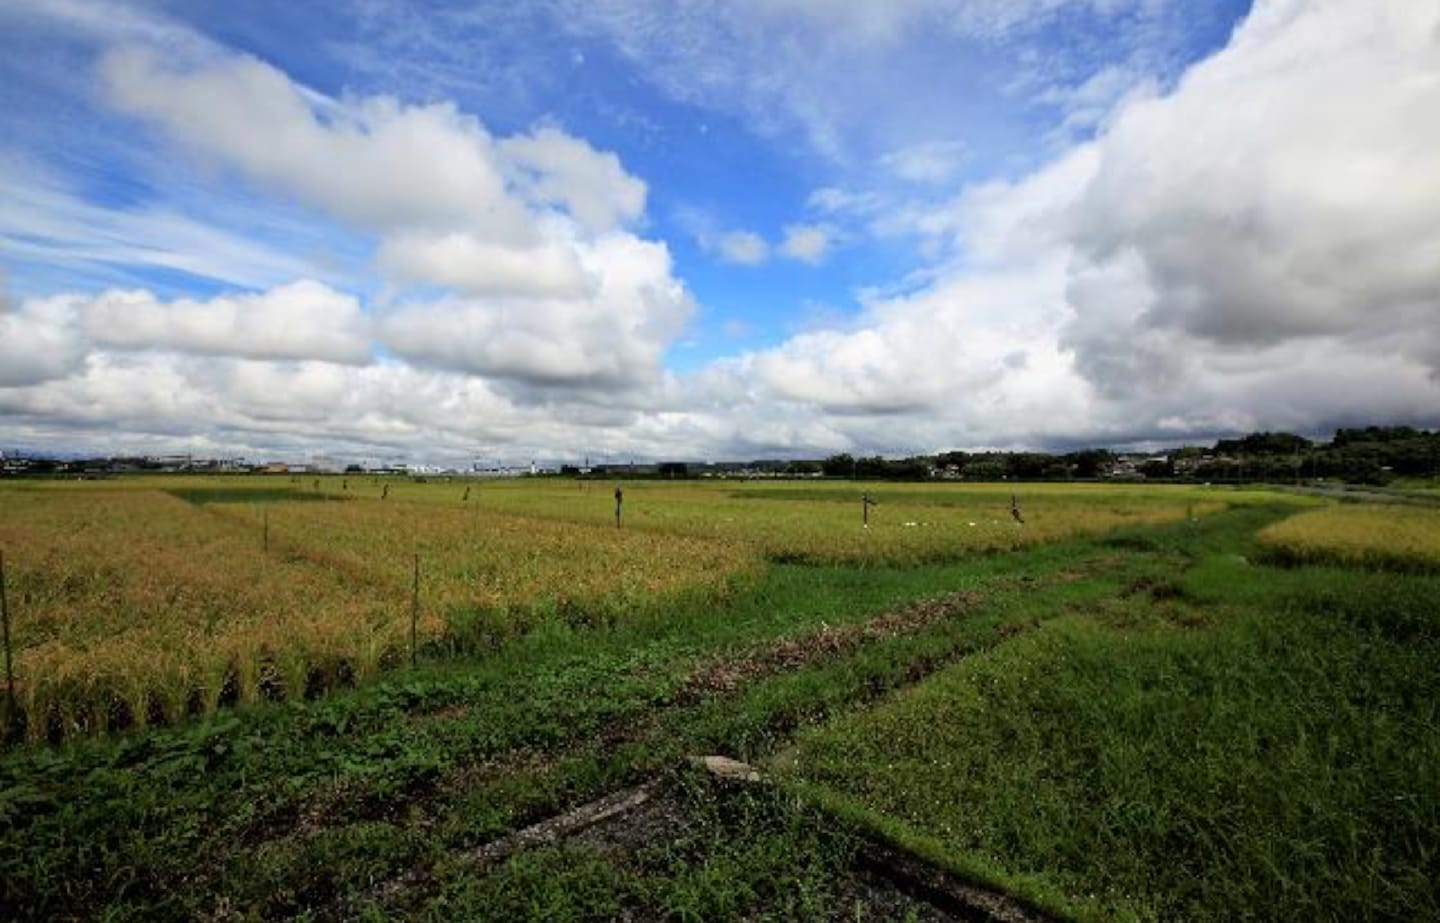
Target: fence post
x=265 y=528
x=5 y=621
x=415 y=611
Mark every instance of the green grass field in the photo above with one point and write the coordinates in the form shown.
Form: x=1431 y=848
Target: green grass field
x=1132 y=719
x=1223 y=740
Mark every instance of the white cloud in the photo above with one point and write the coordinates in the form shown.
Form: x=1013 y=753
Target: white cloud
x=37 y=342
x=301 y=320
x=930 y=162
x=613 y=337
x=529 y=233
x=463 y=261
x=51 y=338
x=743 y=248
x=1287 y=189
x=1258 y=248
x=808 y=243
x=556 y=168
x=373 y=161
x=160 y=402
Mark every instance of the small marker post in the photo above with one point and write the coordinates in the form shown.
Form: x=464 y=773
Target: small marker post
x=415 y=612
x=5 y=621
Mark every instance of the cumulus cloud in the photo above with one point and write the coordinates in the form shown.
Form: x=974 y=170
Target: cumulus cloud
x=636 y=307
x=301 y=320
x=473 y=265
x=943 y=353
x=529 y=233
x=162 y=402
x=48 y=338
x=806 y=243
x=555 y=168
x=1287 y=189
x=1259 y=247
x=370 y=161
x=37 y=341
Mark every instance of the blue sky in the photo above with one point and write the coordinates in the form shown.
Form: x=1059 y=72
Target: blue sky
x=693 y=229
x=706 y=161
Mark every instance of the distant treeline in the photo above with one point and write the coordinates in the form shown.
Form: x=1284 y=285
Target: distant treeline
x=1368 y=455
x=1372 y=455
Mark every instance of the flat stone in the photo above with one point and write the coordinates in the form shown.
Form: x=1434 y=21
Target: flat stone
x=723 y=767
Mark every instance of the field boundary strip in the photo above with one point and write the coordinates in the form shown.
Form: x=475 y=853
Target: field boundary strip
x=787 y=653
x=727 y=677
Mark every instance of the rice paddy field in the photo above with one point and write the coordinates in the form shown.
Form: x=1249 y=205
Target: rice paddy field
x=151 y=600
x=1141 y=703
x=1404 y=538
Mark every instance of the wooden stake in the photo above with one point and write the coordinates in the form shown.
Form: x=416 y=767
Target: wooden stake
x=415 y=612
x=5 y=621
x=265 y=528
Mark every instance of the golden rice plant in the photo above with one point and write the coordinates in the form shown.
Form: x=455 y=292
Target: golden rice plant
x=822 y=522
x=133 y=604
x=1387 y=537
